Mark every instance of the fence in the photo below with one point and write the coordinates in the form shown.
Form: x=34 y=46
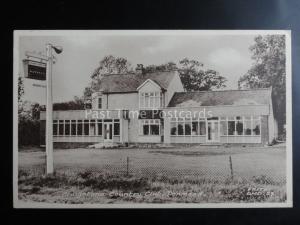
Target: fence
x=266 y=166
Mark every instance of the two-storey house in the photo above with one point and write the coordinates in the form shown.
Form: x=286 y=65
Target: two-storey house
x=154 y=108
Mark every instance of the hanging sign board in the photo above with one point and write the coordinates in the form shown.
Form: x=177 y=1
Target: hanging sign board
x=34 y=70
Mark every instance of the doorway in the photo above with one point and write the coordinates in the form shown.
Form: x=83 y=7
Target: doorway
x=212 y=130
x=108 y=126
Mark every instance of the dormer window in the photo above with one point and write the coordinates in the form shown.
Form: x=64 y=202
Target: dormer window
x=150 y=100
x=99 y=103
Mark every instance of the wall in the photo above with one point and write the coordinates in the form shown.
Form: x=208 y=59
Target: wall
x=116 y=100
x=121 y=101
x=264 y=130
x=174 y=86
x=133 y=130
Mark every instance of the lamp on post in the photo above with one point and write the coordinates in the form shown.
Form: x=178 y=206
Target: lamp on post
x=49 y=107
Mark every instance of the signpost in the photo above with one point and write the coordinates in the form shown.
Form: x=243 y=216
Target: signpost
x=49 y=120
x=39 y=70
x=34 y=70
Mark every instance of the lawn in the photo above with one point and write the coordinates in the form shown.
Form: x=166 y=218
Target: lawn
x=204 y=172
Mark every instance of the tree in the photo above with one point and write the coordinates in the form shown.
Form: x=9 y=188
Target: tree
x=20 y=88
x=268 y=70
x=160 y=68
x=76 y=104
x=194 y=78
x=28 y=124
x=108 y=65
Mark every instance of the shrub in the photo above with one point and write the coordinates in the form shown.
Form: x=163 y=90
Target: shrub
x=262 y=179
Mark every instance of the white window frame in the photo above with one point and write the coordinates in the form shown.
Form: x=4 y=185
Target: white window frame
x=185 y=121
x=243 y=120
x=155 y=97
x=149 y=122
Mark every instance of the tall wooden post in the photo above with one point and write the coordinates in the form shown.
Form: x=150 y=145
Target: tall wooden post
x=49 y=120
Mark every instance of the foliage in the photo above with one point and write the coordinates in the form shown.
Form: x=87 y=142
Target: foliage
x=20 y=88
x=160 y=68
x=76 y=104
x=268 y=70
x=192 y=75
x=194 y=78
x=28 y=124
x=108 y=65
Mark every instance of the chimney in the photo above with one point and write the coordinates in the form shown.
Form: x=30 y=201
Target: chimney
x=139 y=69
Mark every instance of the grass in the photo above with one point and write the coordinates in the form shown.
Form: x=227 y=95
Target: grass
x=155 y=176
x=95 y=187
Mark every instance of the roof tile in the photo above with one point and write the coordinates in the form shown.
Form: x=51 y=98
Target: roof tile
x=130 y=82
x=225 y=97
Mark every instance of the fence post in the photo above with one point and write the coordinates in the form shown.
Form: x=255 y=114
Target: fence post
x=127 y=166
x=231 y=170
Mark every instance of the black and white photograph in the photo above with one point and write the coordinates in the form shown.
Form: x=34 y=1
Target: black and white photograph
x=152 y=119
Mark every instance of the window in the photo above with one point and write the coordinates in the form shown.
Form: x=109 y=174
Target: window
x=202 y=127
x=256 y=127
x=55 y=127
x=239 y=127
x=173 y=129
x=150 y=100
x=79 y=127
x=99 y=124
x=247 y=127
x=116 y=127
x=154 y=129
x=231 y=127
x=195 y=128
x=187 y=127
x=146 y=128
x=180 y=128
x=86 y=127
x=67 y=127
x=92 y=127
x=100 y=103
x=73 y=127
x=150 y=127
x=61 y=127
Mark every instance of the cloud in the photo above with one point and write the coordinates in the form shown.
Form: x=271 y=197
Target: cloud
x=225 y=57
x=163 y=44
x=86 y=41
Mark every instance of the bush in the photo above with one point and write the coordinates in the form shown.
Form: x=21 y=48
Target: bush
x=262 y=179
x=84 y=179
x=29 y=132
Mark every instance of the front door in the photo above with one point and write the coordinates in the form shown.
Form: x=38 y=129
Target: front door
x=108 y=132
x=212 y=131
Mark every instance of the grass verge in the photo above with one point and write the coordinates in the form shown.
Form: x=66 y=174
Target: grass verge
x=94 y=187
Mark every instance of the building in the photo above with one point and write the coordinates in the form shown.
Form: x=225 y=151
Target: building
x=154 y=108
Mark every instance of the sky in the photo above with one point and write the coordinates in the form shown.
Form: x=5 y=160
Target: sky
x=228 y=54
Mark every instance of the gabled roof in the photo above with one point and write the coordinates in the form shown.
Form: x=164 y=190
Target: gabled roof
x=148 y=81
x=122 y=83
x=225 y=97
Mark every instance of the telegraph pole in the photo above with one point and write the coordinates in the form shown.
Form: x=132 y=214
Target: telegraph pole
x=49 y=108
x=36 y=70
